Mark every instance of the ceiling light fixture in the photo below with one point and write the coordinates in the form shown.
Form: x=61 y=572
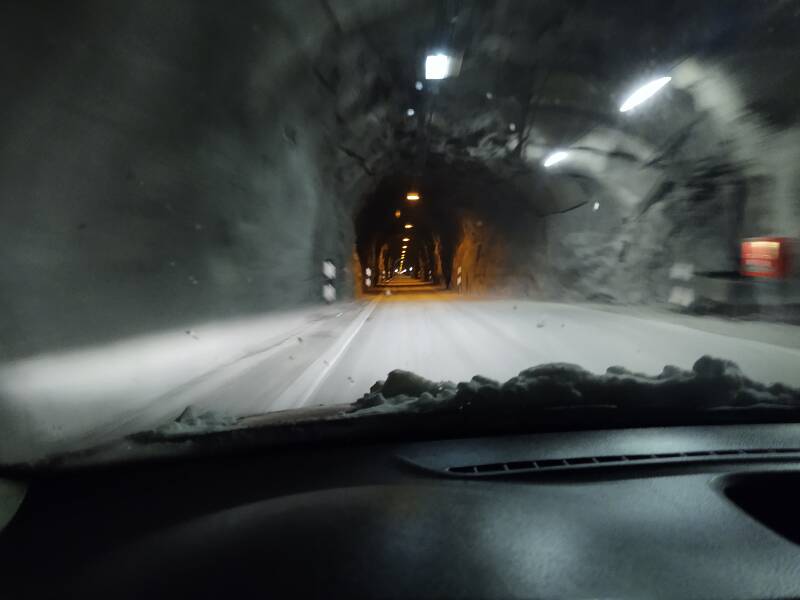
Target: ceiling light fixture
x=555 y=158
x=408 y=226
x=437 y=66
x=413 y=196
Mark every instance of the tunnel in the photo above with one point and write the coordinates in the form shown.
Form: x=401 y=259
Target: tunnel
x=455 y=229
x=168 y=166
x=164 y=167
x=172 y=166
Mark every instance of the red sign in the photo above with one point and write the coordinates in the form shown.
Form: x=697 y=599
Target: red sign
x=765 y=257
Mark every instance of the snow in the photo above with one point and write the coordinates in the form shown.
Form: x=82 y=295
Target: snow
x=711 y=384
x=59 y=402
x=445 y=338
x=332 y=355
x=191 y=422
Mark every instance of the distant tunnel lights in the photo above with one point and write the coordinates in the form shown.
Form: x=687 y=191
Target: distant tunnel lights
x=408 y=226
x=412 y=196
x=555 y=158
x=643 y=93
x=406 y=239
x=437 y=66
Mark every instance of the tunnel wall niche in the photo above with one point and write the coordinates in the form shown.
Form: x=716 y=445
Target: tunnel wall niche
x=160 y=168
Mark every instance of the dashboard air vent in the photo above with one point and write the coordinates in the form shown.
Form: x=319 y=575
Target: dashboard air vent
x=613 y=460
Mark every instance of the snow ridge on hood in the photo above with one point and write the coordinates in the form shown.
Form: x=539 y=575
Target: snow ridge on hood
x=712 y=384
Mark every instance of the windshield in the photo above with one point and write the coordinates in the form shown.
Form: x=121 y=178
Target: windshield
x=212 y=212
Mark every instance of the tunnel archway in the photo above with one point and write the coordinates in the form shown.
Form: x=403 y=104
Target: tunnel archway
x=470 y=228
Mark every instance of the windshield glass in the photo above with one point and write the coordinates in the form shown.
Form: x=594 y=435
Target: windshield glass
x=215 y=211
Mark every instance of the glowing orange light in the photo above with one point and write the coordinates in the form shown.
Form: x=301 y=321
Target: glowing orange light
x=397 y=214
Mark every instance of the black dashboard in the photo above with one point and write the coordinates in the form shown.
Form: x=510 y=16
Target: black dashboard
x=657 y=512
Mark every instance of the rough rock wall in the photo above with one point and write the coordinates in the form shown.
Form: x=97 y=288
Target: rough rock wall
x=501 y=252
x=163 y=165
x=478 y=250
x=765 y=148
x=622 y=255
x=732 y=175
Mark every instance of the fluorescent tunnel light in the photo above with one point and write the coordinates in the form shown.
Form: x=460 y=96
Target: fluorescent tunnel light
x=437 y=66
x=555 y=158
x=648 y=90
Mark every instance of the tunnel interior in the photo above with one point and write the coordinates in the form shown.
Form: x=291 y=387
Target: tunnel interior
x=455 y=222
x=165 y=166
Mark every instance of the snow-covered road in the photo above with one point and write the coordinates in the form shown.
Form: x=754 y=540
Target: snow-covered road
x=442 y=336
x=334 y=354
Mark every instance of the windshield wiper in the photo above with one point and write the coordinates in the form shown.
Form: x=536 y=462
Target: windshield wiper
x=550 y=397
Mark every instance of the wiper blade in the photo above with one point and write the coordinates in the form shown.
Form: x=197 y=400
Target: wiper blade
x=551 y=397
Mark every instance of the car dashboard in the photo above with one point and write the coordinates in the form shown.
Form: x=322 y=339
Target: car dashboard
x=657 y=512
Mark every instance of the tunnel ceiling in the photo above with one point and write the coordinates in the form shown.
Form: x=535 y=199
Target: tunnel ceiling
x=538 y=76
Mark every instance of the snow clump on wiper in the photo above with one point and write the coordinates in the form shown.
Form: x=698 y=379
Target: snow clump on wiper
x=711 y=384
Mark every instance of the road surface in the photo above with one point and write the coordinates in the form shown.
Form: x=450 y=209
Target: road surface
x=334 y=354
x=442 y=336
